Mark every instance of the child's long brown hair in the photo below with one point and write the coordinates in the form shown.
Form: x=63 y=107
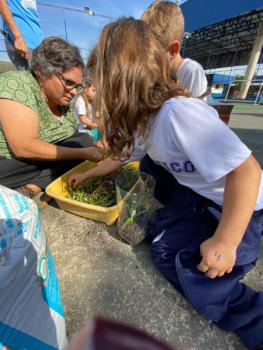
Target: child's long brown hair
x=132 y=79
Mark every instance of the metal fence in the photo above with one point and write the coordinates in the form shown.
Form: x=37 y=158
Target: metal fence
x=254 y=95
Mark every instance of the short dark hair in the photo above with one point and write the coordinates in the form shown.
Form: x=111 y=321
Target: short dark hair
x=55 y=55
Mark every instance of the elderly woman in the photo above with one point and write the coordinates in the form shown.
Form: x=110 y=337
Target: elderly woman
x=38 y=138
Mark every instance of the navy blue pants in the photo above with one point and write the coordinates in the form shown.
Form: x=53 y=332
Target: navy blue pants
x=180 y=227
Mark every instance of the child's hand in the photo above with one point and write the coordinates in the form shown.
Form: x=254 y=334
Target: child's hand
x=76 y=179
x=218 y=257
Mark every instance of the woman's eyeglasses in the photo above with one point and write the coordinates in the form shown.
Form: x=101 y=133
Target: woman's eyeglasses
x=69 y=84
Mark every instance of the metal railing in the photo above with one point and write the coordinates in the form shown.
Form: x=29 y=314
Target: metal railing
x=253 y=96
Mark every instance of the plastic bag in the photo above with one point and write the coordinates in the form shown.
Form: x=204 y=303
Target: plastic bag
x=135 y=206
x=31 y=311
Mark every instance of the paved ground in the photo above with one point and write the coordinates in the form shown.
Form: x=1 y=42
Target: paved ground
x=247 y=122
x=99 y=274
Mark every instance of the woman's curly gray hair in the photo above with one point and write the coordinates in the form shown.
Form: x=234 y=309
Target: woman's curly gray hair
x=55 y=55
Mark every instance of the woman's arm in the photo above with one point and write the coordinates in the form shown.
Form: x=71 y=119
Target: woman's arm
x=20 y=126
x=241 y=191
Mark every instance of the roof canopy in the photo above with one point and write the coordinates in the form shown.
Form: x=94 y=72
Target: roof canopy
x=202 y=13
x=226 y=31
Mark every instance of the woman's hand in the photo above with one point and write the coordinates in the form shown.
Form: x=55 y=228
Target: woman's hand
x=218 y=257
x=76 y=179
x=94 y=154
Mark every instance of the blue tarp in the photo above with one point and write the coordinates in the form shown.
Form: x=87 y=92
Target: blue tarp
x=201 y=13
x=222 y=79
x=217 y=78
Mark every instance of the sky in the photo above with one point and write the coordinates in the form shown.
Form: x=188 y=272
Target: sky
x=79 y=27
x=67 y=19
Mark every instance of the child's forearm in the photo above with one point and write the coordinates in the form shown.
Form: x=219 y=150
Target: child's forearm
x=86 y=121
x=104 y=168
x=241 y=191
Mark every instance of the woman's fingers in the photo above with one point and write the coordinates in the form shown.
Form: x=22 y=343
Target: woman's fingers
x=96 y=154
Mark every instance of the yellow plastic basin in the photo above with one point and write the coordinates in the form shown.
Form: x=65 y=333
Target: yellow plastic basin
x=59 y=189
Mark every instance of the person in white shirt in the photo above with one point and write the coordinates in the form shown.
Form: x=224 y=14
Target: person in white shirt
x=191 y=76
x=207 y=237
x=166 y=20
x=84 y=114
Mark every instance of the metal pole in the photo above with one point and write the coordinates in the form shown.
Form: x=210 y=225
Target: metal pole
x=208 y=60
x=233 y=62
x=259 y=93
x=61 y=7
x=228 y=90
x=65 y=24
x=91 y=12
x=75 y=9
x=260 y=59
x=253 y=60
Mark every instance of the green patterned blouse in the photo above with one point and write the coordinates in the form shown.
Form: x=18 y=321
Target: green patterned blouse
x=22 y=87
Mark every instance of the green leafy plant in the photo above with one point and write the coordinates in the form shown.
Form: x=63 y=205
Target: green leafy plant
x=101 y=191
x=135 y=209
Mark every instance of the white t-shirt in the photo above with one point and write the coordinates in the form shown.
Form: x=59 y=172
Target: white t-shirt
x=189 y=140
x=80 y=109
x=191 y=76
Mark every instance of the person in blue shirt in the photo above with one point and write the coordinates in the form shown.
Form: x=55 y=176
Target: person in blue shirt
x=21 y=29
